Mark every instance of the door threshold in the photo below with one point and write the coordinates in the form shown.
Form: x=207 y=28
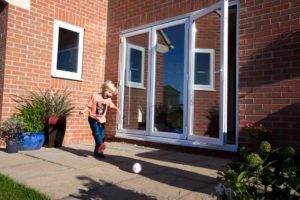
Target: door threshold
x=179 y=142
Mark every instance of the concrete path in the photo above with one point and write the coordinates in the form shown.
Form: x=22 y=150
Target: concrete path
x=71 y=172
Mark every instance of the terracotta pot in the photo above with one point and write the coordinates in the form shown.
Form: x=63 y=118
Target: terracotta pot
x=56 y=120
x=55 y=131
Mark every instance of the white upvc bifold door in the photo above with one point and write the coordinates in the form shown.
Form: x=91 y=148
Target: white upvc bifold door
x=174 y=78
x=207 y=74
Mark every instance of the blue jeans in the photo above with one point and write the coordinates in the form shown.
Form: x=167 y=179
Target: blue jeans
x=98 y=130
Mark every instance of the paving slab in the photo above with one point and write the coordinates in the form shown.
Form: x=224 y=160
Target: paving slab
x=71 y=172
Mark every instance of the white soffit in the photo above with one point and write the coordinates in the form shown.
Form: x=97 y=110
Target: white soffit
x=25 y=4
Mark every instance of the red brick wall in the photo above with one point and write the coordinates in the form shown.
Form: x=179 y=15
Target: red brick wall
x=269 y=61
x=29 y=54
x=3 y=28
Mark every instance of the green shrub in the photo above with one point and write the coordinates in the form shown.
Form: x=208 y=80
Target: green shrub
x=32 y=110
x=266 y=174
x=33 y=116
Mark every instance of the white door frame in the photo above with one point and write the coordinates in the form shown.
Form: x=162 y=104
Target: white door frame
x=122 y=83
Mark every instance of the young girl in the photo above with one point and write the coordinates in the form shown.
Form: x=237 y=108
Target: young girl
x=97 y=109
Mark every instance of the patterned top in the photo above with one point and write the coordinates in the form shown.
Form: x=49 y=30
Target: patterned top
x=98 y=107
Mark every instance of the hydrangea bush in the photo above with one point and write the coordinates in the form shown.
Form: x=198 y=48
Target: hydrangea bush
x=261 y=175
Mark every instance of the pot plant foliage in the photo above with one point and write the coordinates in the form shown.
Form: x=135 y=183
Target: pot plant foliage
x=57 y=103
x=8 y=131
x=32 y=112
x=58 y=107
x=37 y=108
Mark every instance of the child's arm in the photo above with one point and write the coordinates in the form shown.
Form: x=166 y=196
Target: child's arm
x=84 y=110
x=113 y=106
x=88 y=106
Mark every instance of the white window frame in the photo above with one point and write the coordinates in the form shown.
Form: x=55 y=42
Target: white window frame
x=130 y=83
x=211 y=85
x=61 y=73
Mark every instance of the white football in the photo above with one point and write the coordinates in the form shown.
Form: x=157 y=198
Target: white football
x=136 y=168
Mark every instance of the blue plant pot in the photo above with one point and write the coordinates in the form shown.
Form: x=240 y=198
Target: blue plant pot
x=31 y=141
x=12 y=146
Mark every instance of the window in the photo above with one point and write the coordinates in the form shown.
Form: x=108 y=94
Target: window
x=204 y=69
x=135 y=66
x=67 y=51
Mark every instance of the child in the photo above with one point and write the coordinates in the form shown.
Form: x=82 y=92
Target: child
x=97 y=109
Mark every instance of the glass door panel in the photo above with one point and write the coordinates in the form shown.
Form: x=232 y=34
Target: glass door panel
x=136 y=77
x=169 y=80
x=207 y=61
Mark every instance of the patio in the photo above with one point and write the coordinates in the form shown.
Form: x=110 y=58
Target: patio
x=71 y=172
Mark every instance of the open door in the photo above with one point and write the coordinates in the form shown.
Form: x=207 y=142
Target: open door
x=208 y=72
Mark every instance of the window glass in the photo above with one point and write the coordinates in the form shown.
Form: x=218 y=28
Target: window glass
x=169 y=79
x=207 y=91
x=202 y=68
x=135 y=91
x=135 y=65
x=67 y=55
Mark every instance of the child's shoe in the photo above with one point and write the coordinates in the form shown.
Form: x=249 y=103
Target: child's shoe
x=101 y=148
x=99 y=155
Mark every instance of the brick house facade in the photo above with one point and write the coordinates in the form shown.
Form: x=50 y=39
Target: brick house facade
x=267 y=73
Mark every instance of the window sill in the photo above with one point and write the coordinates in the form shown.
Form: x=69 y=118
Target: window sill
x=136 y=86
x=68 y=78
x=209 y=89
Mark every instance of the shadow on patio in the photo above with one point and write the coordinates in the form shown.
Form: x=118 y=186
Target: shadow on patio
x=158 y=171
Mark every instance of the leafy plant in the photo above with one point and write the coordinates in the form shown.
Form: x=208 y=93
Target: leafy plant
x=265 y=174
x=33 y=113
x=56 y=103
x=11 y=127
x=37 y=107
